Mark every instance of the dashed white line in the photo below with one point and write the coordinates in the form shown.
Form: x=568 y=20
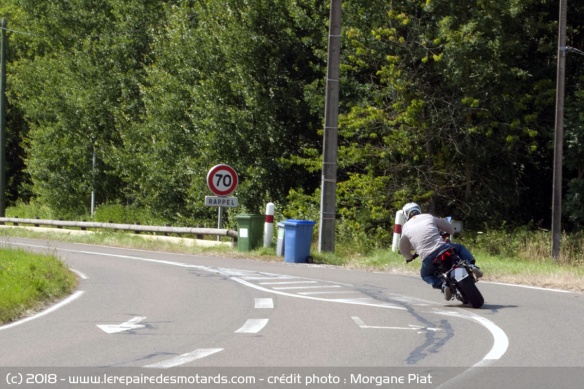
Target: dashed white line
x=264 y=303
x=252 y=326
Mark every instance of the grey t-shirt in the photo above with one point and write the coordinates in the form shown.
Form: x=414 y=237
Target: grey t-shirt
x=422 y=234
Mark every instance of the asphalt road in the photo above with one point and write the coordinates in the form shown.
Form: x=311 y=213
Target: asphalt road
x=287 y=324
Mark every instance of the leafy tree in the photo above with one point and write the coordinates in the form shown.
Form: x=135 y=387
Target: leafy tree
x=226 y=86
x=77 y=87
x=454 y=103
x=445 y=103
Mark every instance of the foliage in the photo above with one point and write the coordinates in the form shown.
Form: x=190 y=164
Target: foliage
x=429 y=133
x=447 y=104
x=117 y=213
x=574 y=156
x=31 y=210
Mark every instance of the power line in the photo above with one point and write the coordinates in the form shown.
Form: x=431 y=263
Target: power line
x=574 y=50
x=20 y=32
x=77 y=37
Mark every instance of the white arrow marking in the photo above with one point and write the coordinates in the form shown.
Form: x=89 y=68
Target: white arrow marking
x=127 y=326
x=185 y=358
x=362 y=324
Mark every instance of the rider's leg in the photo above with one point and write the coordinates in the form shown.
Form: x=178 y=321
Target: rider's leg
x=465 y=255
x=427 y=274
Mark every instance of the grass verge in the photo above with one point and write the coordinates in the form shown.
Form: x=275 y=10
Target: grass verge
x=30 y=281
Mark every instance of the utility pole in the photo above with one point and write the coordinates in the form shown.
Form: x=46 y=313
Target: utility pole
x=3 y=121
x=559 y=134
x=330 y=138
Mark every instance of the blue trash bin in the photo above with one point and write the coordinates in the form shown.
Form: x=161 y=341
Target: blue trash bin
x=297 y=240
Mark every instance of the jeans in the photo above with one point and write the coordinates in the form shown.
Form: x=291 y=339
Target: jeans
x=427 y=270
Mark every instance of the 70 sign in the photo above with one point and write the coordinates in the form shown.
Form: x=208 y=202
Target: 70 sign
x=222 y=180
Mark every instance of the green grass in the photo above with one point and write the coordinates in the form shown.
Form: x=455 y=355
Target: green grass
x=29 y=281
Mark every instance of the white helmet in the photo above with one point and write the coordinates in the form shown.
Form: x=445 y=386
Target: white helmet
x=411 y=210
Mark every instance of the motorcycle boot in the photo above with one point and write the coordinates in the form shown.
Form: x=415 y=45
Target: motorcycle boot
x=478 y=273
x=447 y=292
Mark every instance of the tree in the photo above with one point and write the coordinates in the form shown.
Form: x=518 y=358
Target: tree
x=451 y=104
x=226 y=85
x=78 y=89
x=443 y=103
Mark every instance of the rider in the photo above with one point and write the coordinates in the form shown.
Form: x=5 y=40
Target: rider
x=421 y=233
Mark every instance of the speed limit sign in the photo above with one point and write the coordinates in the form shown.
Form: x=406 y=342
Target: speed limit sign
x=222 y=180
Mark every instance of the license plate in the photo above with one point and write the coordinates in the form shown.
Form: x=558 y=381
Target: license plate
x=460 y=274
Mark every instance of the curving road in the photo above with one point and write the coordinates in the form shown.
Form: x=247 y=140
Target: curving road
x=155 y=312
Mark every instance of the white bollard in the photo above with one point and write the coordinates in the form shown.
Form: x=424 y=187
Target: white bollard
x=400 y=219
x=269 y=225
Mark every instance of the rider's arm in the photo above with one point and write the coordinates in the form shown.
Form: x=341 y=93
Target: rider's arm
x=444 y=225
x=405 y=248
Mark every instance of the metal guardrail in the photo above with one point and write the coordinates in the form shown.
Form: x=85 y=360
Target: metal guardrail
x=199 y=232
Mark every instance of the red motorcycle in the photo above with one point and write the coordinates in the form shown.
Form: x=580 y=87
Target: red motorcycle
x=458 y=276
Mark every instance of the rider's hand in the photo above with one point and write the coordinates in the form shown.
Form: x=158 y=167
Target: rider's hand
x=445 y=236
x=411 y=259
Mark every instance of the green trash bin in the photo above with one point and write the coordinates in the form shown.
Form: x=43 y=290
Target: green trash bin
x=250 y=231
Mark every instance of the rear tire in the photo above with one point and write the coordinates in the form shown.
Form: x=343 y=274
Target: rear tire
x=470 y=292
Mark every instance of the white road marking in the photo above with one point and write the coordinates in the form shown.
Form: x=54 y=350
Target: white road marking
x=258 y=287
x=532 y=287
x=333 y=292
x=79 y=274
x=501 y=342
x=129 y=325
x=53 y=308
x=500 y=345
x=356 y=300
x=308 y=287
x=185 y=358
x=252 y=326
x=286 y=282
x=361 y=324
x=264 y=303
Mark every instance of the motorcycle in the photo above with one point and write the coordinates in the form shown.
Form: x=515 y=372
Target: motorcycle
x=458 y=276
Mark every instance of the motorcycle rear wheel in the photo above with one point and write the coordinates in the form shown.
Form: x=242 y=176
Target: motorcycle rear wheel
x=471 y=293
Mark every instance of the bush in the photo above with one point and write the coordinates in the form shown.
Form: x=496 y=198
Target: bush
x=117 y=213
x=30 y=211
